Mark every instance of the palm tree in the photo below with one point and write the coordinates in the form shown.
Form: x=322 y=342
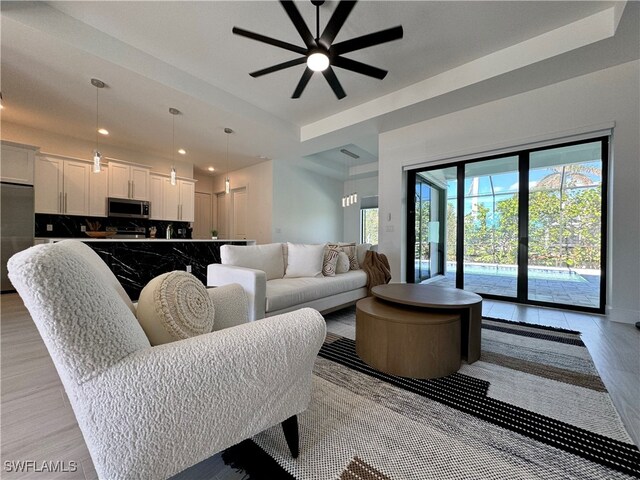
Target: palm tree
x=572 y=175
x=567 y=176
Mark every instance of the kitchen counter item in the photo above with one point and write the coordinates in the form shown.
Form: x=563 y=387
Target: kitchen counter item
x=100 y=234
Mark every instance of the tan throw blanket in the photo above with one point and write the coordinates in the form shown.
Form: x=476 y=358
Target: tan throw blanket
x=377 y=268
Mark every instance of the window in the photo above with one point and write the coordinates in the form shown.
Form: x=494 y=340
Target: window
x=369 y=225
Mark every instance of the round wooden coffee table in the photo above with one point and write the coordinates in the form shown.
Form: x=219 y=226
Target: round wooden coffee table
x=404 y=341
x=426 y=298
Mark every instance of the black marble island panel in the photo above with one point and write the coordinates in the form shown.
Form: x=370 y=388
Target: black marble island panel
x=135 y=263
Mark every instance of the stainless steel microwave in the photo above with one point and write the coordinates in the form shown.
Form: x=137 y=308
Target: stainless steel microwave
x=121 y=207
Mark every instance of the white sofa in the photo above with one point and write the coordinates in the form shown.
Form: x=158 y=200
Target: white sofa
x=260 y=269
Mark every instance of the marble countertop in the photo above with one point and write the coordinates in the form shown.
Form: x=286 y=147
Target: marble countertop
x=111 y=239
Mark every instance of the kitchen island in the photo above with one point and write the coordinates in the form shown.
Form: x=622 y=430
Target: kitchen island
x=135 y=261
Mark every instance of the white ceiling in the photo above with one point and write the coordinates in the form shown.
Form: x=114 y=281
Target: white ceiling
x=156 y=55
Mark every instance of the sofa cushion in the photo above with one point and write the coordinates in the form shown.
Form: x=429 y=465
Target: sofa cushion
x=304 y=260
x=288 y=292
x=268 y=258
x=174 y=306
x=343 y=263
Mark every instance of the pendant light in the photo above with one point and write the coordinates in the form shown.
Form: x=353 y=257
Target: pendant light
x=173 y=112
x=227 y=183
x=352 y=198
x=97 y=156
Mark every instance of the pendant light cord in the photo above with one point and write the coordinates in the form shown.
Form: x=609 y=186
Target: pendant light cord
x=97 y=90
x=317 y=22
x=173 y=139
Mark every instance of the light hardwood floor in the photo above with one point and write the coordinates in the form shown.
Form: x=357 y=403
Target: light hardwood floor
x=37 y=422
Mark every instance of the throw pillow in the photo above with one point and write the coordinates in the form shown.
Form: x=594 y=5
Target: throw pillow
x=343 y=263
x=330 y=261
x=174 y=306
x=268 y=258
x=304 y=260
x=350 y=250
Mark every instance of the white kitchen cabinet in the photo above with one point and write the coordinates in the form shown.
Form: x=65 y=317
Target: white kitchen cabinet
x=47 y=185
x=171 y=202
x=62 y=186
x=171 y=199
x=98 y=193
x=17 y=163
x=128 y=181
x=187 y=200
x=75 y=194
x=155 y=197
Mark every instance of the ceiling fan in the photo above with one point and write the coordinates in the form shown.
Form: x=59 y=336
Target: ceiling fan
x=320 y=53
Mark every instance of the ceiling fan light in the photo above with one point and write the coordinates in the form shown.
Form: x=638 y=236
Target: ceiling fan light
x=318 y=61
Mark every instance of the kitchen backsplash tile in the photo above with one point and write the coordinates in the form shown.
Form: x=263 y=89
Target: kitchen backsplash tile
x=68 y=226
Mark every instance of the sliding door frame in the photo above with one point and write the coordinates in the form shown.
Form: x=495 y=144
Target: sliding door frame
x=523 y=222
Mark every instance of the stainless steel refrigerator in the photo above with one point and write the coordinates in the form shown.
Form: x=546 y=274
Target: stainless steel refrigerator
x=16 y=223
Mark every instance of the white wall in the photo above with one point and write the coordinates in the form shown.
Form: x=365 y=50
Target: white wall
x=594 y=99
x=307 y=206
x=258 y=180
x=365 y=187
x=73 y=147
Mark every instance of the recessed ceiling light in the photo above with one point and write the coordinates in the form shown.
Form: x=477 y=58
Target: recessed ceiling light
x=211 y=169
x=182 y=151
x=262 y=157
x=103 y=131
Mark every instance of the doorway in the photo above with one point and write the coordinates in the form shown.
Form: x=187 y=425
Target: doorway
x=239 y=214
x=202 y=223
x=427 y=218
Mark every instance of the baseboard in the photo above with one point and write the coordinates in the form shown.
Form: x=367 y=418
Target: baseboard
x=622 y=315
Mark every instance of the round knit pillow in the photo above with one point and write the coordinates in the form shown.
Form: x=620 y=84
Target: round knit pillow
x=174 y=306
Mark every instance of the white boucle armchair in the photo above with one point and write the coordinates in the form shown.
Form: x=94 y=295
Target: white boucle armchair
x=151 y=412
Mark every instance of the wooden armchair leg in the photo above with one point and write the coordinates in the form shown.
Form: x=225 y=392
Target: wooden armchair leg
x=290 y=429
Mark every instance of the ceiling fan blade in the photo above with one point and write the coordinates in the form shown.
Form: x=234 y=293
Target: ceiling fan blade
x=280 y=66
x=306 y=76
x=369 y=40
x=336 y=22
x=299 y=23
x=359 y=67
x=330 y=75
x=269 y=40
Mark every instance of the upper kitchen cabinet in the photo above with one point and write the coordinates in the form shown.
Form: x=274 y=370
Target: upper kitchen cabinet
x=98 y=193
x=172 y=202
x=128 y=181
x=17 y=163
x=187 y=200
x=155 y=196
x=62 y=186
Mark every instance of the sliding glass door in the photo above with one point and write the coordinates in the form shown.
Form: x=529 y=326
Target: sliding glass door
x=491 y=226
x=565 y=225
x=428 y=242
x=528 y=226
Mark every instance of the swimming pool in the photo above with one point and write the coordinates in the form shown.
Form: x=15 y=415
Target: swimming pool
x=535 y=273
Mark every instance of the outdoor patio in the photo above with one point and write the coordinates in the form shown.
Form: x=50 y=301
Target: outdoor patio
x=583 y=291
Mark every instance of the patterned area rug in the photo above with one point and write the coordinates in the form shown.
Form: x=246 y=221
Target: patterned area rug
x=532 y=407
